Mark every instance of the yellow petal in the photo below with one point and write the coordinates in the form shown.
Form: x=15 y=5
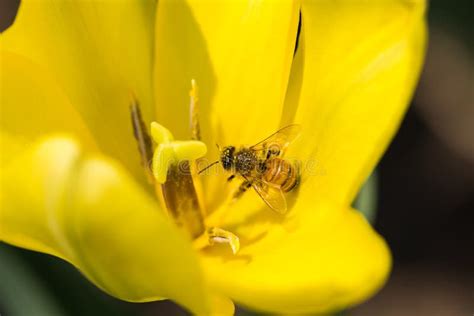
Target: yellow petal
x=88 y=211
x=221 y=306
x=352 y=78
x=356 y=69
x=325 y=260
x=32 y=105
x=99 y=52
x=239 y=53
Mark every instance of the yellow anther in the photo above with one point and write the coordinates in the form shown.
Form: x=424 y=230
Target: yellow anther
x=170 y=151
x=193 y=93
x=215 y=235
x=194 y=111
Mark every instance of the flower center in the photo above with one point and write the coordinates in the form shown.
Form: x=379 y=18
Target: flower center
x=181 y=199
x=173 y=170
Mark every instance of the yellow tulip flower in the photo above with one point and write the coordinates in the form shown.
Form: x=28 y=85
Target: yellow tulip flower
x=73 y=185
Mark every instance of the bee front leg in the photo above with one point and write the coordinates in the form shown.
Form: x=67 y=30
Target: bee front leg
x=273 y=152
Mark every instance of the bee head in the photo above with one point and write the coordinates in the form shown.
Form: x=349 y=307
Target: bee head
x=227 y=157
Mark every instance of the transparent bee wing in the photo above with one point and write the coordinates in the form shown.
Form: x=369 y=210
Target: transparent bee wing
x=278 y=141
x=272 y=195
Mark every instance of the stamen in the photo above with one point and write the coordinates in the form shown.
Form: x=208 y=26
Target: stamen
x=215 y=235
x=173 y=167
x=145 y=146
x=194 y=111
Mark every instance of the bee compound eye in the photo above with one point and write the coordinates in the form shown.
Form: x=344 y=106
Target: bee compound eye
x=226 y=159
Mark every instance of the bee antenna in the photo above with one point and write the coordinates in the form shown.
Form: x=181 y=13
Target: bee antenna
x=209 y=166
x=218 y=147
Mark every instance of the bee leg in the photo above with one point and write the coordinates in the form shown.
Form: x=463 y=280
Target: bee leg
x=244 y=186
x=194 y=111
x=230 y=178
x=145 y=145
x=215 y=235
x=273 y=152
x=297 y=165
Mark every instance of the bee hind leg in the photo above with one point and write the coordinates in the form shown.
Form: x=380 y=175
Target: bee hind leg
x=244 y=186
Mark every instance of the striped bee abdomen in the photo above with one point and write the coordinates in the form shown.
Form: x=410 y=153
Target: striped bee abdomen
x=281 y=173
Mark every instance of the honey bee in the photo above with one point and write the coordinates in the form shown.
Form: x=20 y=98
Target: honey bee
x=263 y=167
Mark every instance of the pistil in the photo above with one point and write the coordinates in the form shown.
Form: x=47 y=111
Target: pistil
x=172 y=169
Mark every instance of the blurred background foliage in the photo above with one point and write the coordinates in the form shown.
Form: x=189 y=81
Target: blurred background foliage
x=425 y=202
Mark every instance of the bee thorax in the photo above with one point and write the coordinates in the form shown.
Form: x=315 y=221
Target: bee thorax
x=245 y=161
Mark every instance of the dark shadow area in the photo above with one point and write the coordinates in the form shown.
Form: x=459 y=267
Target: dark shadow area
x=8 y=9
x=426 y=209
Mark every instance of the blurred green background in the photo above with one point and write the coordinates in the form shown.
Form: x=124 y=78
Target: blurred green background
x=425 y=202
